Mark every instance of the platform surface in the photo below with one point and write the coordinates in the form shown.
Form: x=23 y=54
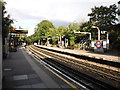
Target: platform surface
x=20 y=70
x=102 y=56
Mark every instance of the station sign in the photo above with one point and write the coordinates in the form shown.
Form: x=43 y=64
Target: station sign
x=80 y=34
x=92 y=44
x=19 y=31
x=98 y=44
x=104 y=44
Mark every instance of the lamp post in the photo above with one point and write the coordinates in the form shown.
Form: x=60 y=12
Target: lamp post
x=98 y=31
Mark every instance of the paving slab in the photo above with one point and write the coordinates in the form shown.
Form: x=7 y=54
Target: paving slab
x=18 y=73
x=20 y=70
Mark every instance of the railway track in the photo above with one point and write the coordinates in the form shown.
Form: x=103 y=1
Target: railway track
x=74 y=66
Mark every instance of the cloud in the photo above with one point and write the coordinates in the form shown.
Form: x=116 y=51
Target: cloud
x=58 y=23
x=30 y=12
x=23 y=15
x=65 y=10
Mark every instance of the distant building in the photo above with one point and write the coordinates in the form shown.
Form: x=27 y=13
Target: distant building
x=119 y=12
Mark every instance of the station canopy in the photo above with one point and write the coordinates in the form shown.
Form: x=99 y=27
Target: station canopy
x=19 y=31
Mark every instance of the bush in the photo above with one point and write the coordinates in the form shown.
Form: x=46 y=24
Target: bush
x=76 y=46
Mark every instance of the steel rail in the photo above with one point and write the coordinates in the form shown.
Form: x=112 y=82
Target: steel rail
x=111 y=74
x=74 y=64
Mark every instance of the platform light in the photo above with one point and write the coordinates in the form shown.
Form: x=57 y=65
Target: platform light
x=98 y=31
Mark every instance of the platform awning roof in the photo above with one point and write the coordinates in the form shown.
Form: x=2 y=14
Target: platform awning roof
x=18 y=31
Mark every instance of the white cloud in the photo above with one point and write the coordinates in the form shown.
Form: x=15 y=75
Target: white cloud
x=29 y=12
x=66 y=10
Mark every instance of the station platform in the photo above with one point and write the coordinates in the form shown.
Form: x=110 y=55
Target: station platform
x=20 y=70
x=102 y=56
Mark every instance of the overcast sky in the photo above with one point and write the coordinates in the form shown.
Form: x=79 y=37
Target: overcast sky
x=28 y=13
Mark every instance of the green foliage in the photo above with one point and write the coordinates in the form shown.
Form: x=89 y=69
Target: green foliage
x=42 y=29
x=31 y=39
x=62 y=30
x=6 y=21
x=51 y=32
x=72 y=27
x=85 y=27
x=103 y=16
x=54 y=41
x=115 y=38
x=72 y=39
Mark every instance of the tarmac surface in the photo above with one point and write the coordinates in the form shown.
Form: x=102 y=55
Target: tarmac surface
x=20 y=70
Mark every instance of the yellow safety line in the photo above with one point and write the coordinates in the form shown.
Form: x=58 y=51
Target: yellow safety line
x=56 y=74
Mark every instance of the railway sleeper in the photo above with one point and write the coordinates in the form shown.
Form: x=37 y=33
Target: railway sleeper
x=88 y=62
x=72 y=65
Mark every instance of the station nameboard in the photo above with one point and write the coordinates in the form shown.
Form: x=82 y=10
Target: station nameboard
x=19 y=31
x=79 y=34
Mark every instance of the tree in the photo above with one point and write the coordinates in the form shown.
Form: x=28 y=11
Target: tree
x=103 y=16
x=51 y=32
x=62 y=30
x=42 y=28
x=31 y=39
x=85 y=27
x=71 y=28
x=6 y=22
x=6 y=26
x=70 y=33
